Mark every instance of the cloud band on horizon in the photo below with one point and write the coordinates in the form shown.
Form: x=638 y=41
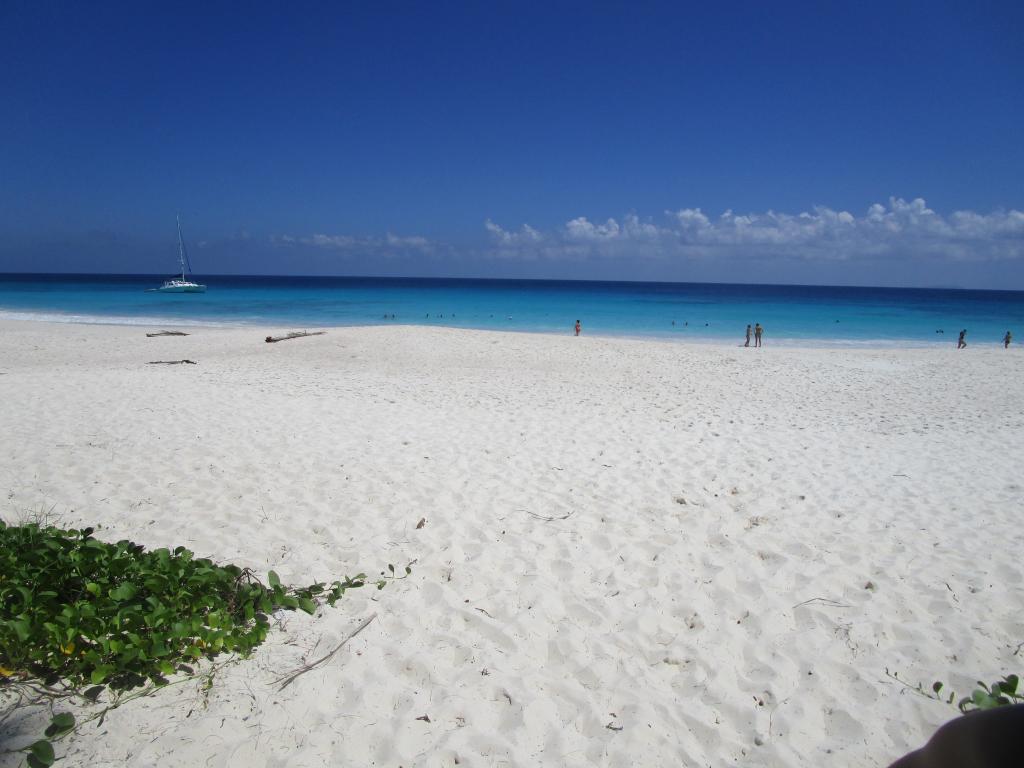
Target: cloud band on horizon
x=901 y=229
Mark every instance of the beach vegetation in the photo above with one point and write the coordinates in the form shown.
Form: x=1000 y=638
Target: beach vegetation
x=80 y=616
x=1001 y=693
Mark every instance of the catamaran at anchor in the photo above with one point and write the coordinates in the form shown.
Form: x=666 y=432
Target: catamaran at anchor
x=181 y=285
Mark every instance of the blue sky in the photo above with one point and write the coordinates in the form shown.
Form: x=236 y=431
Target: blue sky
x=868 y=143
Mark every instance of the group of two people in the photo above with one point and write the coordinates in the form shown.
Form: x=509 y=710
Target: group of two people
x=758 y=330
x=961 y=343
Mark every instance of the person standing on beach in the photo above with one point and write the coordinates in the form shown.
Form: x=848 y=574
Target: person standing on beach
x=1006 y=340
x=747 y=342
x=961 y=343
x=578 y=327
x=758 y=330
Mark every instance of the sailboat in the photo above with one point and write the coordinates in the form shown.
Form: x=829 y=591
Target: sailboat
x=181 y=285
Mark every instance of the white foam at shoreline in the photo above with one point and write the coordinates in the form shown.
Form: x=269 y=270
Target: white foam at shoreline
x=85 y=319
x=694 y=337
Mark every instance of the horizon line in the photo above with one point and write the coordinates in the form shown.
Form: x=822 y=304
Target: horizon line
x=516 y=279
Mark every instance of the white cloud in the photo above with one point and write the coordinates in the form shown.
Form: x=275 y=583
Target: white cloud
x=898 y=230
x=633 y=227
x=581 y=229
x=526 y=234
x=330 y=241
x=414 y=241
x=901 y=229
x=691 y=219
x=387 y=245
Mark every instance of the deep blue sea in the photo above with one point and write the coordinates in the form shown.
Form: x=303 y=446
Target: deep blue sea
x=684 y=311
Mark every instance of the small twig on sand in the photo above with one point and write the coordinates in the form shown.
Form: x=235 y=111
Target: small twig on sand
x=172 y=362
x=288 y=679
x=548 y=518
x=771 y=715
x=166 y=333
x=294 y=335
x=825 y=600
x=918 y=690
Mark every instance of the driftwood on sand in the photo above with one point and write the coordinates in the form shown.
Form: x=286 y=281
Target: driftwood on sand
x=294 y=335
x=290 y=678
x=166 y=333
x=172 y=362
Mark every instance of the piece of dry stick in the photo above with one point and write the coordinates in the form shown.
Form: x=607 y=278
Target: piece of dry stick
x=294 y=335
x=289 y=678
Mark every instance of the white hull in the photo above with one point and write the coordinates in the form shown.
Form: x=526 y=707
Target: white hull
x=190 y=288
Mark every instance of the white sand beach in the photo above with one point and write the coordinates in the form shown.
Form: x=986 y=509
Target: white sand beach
x=635 y=553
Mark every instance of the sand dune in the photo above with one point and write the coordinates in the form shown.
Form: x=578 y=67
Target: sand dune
x=635 y=552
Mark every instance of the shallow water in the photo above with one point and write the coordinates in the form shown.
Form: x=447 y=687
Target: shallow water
x=685 y=311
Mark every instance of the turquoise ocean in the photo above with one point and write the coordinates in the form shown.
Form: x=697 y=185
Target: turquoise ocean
x=790 y=314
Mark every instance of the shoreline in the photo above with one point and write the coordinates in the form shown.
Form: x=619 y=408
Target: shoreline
x=668 y=337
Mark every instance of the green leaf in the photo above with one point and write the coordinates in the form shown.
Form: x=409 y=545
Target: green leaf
x=61 y=723
x=101 y=673
x=22 y=629
x=26 y=597
x=936 y=686
x=983 y=700
x=126 y=591
x=273 y=579
x=42 y=751
x=307 y=605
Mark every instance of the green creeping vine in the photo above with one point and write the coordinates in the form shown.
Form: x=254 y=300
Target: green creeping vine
x=82 y=612
x=1001 y=693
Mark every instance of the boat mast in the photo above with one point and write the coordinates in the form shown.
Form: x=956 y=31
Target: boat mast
x=181 y=247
